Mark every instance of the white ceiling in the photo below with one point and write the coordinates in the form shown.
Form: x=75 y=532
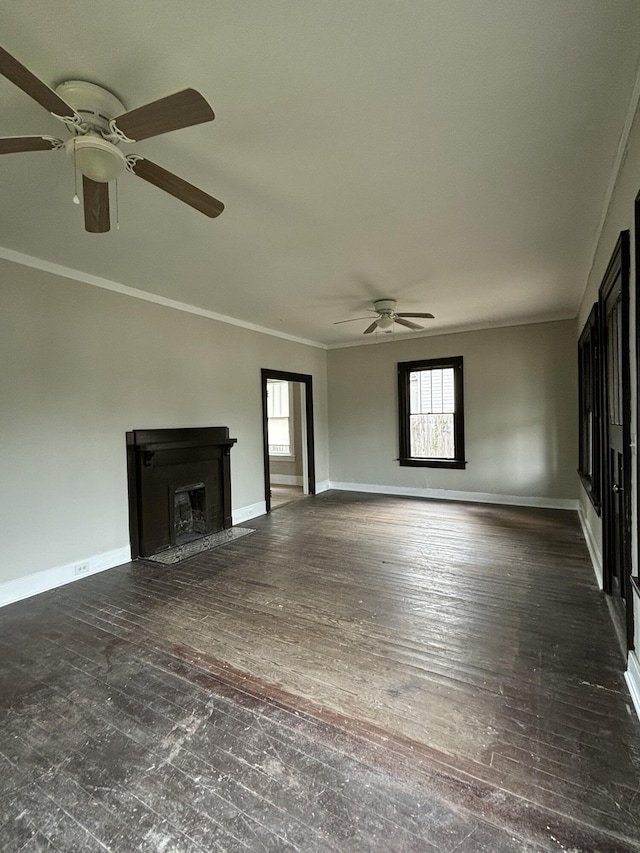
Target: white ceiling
x=452 y=154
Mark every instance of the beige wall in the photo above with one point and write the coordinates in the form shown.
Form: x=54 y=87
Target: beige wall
x=520 y=412
x=80 y=367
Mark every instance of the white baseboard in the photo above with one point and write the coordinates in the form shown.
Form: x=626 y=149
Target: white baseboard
x=323 y=486
x=632 y=676
x=286 y=479
x=592 y=545
x=448 y=495
x=25 y=587
x=245 y=513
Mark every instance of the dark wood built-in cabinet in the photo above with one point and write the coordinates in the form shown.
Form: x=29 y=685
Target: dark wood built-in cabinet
x=179 y=486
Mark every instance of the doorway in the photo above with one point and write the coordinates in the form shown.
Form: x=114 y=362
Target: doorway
x=287 y=418
x=616 y=456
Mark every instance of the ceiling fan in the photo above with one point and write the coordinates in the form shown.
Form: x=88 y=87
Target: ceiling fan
x=99 y=124
x=387 y=316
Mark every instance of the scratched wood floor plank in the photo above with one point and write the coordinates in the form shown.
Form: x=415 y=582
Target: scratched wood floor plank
x=362 y=673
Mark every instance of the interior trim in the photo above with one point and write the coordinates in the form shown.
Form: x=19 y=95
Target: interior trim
x=632 y=677
x=307 y=380
x=286 y=479
x=592 y=546
x=621 y=151
x=373 y=340
x=33 y=584
x=245 y=513
x=135 y=293
x=28 y=585
x=450 y=495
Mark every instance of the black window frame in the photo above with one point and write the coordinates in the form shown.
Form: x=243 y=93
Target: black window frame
x=404 y=369
x=590 y=407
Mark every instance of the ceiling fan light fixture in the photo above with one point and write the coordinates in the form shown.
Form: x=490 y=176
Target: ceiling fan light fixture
x=97 y=159
x=385 y=322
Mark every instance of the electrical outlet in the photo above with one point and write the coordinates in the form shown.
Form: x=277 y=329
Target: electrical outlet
x=81 y=568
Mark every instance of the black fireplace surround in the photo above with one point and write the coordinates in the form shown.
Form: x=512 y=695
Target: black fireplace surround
x=179 y=486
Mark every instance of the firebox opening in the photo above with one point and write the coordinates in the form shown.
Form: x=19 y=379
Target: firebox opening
x=189 y=514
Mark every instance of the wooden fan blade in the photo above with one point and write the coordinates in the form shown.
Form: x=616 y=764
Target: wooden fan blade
x=177 y=187
x=408 y=324
x=96 y=206
x=16 y=144
x=32 y=86
x=353 y=320
x=183 y=109
x=370 y=328
x=408 y=314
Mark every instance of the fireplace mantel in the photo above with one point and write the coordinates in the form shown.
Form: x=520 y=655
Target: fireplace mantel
x=161 y=463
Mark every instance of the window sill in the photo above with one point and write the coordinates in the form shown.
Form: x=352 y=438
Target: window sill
x=281 y=457
x=433 y=463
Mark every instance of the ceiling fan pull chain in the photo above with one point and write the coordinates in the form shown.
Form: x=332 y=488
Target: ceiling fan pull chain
x=76 y=197
x=117 y=208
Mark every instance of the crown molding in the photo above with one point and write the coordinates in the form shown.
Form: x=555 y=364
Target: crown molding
x=618 y=161
x=135 y=293
x=385 y=338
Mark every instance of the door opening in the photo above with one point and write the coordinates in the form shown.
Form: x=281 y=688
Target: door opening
x=287 y=413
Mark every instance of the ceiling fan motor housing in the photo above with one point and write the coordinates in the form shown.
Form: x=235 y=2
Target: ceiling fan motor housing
x=95 y=156
x=94 y=104
x=385 y=306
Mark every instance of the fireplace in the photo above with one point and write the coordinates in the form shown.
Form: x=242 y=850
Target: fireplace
x=179 y=486
x=189 y=513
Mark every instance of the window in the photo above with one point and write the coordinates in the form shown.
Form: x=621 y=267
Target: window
x=278 y=423
x=431 y=413
x=589 y=408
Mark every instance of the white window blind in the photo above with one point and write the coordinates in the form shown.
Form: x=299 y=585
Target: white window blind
x=278 y=424
x=431 y=411
x=432 y=391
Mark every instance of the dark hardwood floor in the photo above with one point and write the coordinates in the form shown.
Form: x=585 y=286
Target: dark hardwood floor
x=363 y=673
